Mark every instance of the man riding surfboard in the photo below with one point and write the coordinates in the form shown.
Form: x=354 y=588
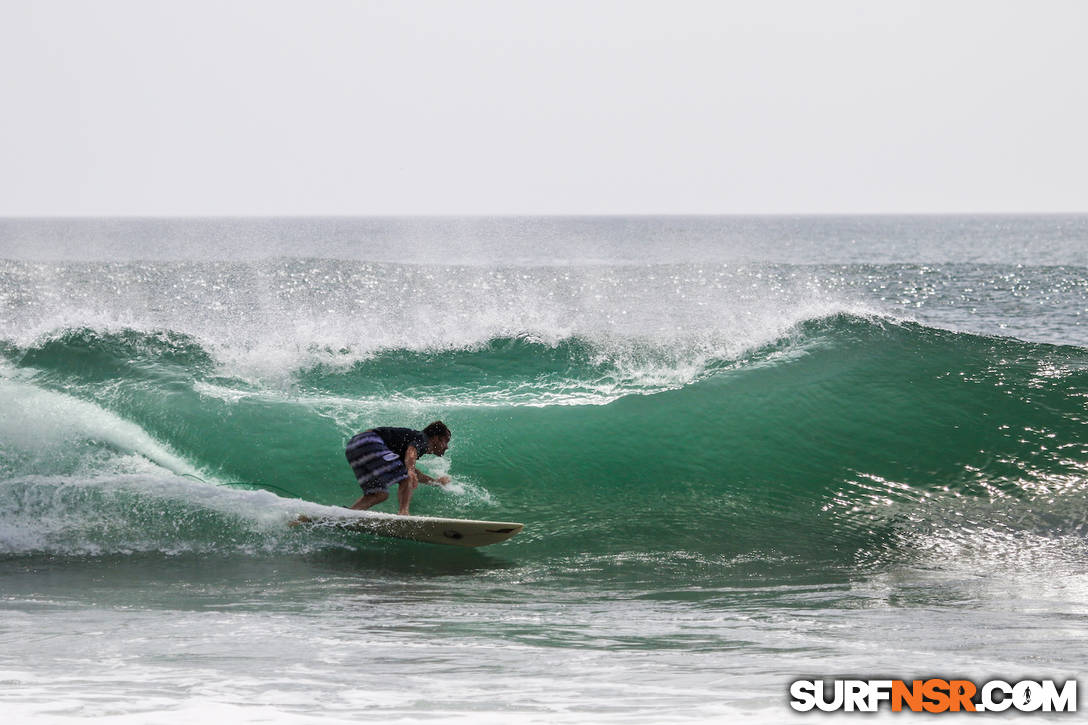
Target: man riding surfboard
x=381 y=457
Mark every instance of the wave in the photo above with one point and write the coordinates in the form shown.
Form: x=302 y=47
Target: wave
x=846 y=437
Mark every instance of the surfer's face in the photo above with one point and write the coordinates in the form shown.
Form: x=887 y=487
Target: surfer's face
x=438 y=446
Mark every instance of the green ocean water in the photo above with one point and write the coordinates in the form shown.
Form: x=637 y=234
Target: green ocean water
x=787 y=450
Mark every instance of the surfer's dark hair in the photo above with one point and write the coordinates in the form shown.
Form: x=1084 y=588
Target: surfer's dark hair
x=437 y=429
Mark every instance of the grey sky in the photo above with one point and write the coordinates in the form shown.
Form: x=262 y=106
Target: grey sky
x=283 y=108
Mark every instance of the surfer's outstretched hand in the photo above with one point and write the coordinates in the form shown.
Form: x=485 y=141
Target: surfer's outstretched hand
x=442 y=480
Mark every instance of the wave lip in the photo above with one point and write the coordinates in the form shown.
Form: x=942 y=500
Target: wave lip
x=498 y=368
x=266 y=322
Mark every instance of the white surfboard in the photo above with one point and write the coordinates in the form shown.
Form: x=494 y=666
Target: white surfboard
x=429 y=529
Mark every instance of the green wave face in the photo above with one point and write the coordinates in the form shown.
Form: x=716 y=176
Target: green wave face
x=848 y=439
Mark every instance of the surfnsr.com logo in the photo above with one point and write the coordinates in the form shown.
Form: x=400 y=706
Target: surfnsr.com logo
x=933 y=695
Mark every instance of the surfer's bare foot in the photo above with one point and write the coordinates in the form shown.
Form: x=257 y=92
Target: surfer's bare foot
x=300 y=520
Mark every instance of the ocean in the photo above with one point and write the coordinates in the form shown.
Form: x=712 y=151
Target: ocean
x=746 y=450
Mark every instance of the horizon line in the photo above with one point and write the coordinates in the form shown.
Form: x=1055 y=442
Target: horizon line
x=545 y=215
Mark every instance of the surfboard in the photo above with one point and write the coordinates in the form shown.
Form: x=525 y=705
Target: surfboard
x=428 y=529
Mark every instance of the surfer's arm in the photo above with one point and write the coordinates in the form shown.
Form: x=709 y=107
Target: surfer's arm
x=424 y=478
x=408 y=485
x=411 y=455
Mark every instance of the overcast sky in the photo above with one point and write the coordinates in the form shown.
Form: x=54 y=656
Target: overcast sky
x=294 y=108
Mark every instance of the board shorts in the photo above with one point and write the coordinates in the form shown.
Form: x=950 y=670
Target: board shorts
x=376 y=467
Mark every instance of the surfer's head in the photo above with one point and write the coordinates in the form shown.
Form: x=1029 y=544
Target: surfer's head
x=438 y=437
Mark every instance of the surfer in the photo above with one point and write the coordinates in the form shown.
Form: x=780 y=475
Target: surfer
x=381 y=457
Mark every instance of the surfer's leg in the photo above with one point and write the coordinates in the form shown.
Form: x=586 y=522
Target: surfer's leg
x=369 y=500
x=404 y=495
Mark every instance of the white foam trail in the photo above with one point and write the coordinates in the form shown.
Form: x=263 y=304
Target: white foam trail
x=43 y=423
x=133 y=507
